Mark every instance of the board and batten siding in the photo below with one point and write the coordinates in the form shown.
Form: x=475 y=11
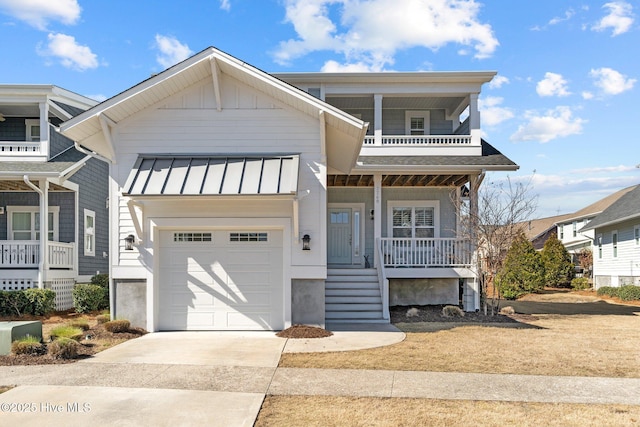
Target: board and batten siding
x=250 y=122
x=627 y=263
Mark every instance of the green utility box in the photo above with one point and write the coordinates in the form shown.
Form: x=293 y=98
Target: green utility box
x=11 y=331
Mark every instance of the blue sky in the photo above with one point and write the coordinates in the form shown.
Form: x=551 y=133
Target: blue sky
x=564 y=103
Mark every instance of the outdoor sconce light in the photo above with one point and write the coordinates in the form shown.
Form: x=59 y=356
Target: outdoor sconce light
x=306 y=239
x=128 y=242
x=372 y=214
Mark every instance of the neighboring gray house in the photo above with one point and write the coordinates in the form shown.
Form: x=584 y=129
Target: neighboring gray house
x=244 y=200
x=616 y=246
x=53 y=198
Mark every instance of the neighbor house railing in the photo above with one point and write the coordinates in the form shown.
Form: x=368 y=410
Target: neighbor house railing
x=420 y=140
x=425 y=252
x=19 y=148
x=26 y=254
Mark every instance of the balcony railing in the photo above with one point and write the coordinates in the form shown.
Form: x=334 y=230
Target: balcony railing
x=26 y=254
x=420 y=140
x=20 y=148
x=426 y=253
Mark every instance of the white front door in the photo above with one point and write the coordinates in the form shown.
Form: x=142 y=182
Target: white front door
x=340 y=237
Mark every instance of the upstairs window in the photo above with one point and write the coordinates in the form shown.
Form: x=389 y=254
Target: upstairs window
x=614 y=243
x=599 y=241
x=636 y=235
x=561 y=231
x=417 y=122
x=575 y=228
x=32 y=129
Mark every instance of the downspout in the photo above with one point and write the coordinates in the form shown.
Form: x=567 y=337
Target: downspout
x=44 y=219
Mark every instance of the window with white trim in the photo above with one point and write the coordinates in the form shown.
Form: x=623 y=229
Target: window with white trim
x=614 y=243
x=561 y=231
x=599 y=241
x=413 y=219
x=249 y=237
x=192 y=237
x=89 y=233
x=23 y=222
x=575 y=228
x=417 y=122
x=636 y=235
x=32 y=129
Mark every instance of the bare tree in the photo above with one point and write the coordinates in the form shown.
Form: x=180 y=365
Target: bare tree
x=503 y=209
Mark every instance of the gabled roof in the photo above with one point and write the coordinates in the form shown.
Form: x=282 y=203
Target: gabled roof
x=344 y=133
x=23 y=99
x=597 y=207
x=537 y=227
x=625 y=208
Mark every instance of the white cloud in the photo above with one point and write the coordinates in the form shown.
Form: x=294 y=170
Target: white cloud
x=606 y=169
x=554 y=124
x=610 y=81
x=171 y=51
x=225 y=5
x=587 y=95
x=38 y=13
x=498 y=81
x=491 y=111
x=371 y=31
x=567 y=15
x=70 y=54
x=619 y=19
x=552 y=85
x=336 y=67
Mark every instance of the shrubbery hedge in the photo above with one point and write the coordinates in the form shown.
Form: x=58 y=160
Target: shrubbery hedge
x=625 y=293
x=580 y=283
x=87 y=298
x=37 y=302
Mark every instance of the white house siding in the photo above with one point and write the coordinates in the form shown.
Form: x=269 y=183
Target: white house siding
x=623 y=269
x=582 y=240
x=249 y=122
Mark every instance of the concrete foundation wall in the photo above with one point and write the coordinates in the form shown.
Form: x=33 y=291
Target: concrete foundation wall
x=131 y=301
x=307 y=302
x=423 y=291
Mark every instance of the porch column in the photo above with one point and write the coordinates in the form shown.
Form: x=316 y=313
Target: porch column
x=474 y=119
x=377 y=216
x=377 y=119
x=44 y=230
x=44 y=128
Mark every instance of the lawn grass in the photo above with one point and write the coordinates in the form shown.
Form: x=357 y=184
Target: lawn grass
x=353 y=411
x=579 y=345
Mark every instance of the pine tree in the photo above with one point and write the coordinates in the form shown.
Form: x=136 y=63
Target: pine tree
x=522 y=271
x=557 y=263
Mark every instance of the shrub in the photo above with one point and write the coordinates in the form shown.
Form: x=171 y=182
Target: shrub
x=580 y=283
x=117 y=326
x=629 y=293
x=28 y=345
x=41 y=301
x=522 y=271
x=101 y=280
x=13 y=303
x=82 y=324
x=64 y=348
x=103 y=318
x=558 y=268
x=608 y=291
x=88 y=298
x=452 y=311
x=67 y=331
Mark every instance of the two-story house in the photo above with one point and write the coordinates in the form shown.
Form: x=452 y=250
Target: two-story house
x=53 y=198
x=244 y=200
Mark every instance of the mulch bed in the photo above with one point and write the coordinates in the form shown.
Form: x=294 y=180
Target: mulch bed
x=304 y=331
x=433 y=313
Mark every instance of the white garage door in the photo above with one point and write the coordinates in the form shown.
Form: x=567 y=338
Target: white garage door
x=217 y=280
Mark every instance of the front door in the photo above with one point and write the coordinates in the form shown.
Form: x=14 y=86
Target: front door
x=339 y=236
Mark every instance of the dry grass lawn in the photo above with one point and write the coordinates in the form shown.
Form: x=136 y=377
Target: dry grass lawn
x=577 y=345
x=339 y=411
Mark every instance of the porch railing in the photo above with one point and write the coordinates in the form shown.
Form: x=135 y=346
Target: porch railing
x=420 y=140
x=26 y=254
x=19 y=148
x=425 y=252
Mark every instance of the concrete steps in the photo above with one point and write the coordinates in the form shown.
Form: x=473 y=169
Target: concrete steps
x=353 y=296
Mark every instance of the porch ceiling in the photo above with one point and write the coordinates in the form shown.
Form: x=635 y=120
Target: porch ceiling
x=21 y=186
x=408 y=180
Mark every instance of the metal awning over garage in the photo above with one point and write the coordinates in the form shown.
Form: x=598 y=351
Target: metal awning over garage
x=162 y=175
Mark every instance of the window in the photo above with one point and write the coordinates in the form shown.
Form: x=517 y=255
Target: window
x=248 y=237
x=575 y=228
x=23 y=223
x=614 y=243
x=561 y=231
x=599 y=241
x=315 y=91
x=192 y=237
x=89 y=233
x=636 y=235
x=417 y=221
x=417 y=122
x=33 y=129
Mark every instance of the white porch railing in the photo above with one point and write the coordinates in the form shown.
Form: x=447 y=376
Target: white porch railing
x=26 y=254
x=425 y=253
x=420 y=140
x=19 y=148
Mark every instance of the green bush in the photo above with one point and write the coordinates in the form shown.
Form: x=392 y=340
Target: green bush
x=629 y=293
x=67 y=331
x=558 y=268
x=102 y=280
x=88 y=298
x=103 y=318
x=117 y=326
x=64 y=348
x=608 y=291
x=13 y=303
x=580 y=283
x=41 y=301
x=522 y=271
x=28 y=345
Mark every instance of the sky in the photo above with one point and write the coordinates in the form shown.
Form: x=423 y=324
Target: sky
x=563 y=106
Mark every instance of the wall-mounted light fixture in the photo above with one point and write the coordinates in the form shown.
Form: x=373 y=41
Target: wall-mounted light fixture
x=128 y=242
x=372 y=214
x=306 y=240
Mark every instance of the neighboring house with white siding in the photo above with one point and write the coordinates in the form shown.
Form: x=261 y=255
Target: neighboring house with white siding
x=616 y=246
x=244 y=200
x=53 y=198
